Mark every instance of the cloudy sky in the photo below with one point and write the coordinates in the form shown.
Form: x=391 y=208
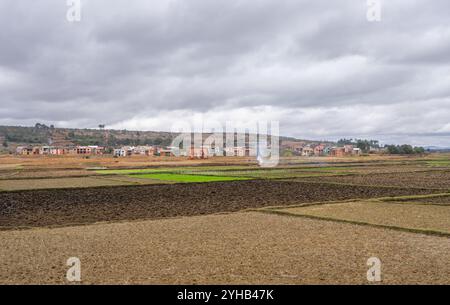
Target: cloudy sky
x=318 y=67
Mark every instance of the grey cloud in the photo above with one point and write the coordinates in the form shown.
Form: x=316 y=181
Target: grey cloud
x=143 y=59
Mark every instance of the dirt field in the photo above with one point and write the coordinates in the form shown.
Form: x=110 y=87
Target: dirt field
x=429 y=179
x=79 y=182
x=11 y=185
x=79 y=162
x=25 y=174
x=427 y=218
x=83 y=206
x=239 y=248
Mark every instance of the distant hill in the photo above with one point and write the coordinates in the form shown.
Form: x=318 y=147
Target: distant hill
x=46 y=135
x=40 y=134
x=437 y=148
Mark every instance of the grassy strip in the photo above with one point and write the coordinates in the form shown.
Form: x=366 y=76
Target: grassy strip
x=409 y=230
x=130 y=171
x=246 y=169
x=119 y=180
x=173 y=169
x=302 y=205
x=266 y=174
x=412 y=197
x=444 y=163
x=188 y=178
x=414 y=203
x=49 y=177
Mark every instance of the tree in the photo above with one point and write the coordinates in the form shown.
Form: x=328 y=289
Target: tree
x=101 y=126
x=419 y=150
x=344 y=141
x=392 y=149
x=364 y=145
x=406 y=149
x=158 y=141
x=374 y=143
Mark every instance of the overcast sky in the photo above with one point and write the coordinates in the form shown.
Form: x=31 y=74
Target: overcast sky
x=318 y=67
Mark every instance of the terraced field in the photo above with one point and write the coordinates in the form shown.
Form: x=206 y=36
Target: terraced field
x=307 y=221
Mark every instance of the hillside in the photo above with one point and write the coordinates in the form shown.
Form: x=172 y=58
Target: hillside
x=13 y=136
x=45 y=135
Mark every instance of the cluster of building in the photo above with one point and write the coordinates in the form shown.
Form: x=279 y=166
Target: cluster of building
x=135 y=150
x=53 y=150
x=309 y=150
x=297 y=148
x=204 y=151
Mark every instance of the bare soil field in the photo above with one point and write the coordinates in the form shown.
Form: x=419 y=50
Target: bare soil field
x=59 y=207
x=33 y=174
x=54 y=183
x=74 y=182
x=429 y=179
x=80 y=162
x=409 y=216
x=388 y=169
x=238 y=248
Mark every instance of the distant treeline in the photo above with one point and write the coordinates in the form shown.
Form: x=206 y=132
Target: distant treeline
x=367 y=145
x=404 y=149
x=364 y=145
x=42 y=134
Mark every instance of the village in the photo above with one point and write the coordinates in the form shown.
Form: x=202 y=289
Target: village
x=205 y=151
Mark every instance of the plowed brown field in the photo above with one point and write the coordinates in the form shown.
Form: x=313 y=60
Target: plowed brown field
x=61 y=207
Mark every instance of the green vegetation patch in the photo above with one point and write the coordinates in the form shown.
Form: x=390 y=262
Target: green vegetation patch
x=130 y=171
x=439 y=163
x=268 y=173
x=187 y=178
x=170 y=170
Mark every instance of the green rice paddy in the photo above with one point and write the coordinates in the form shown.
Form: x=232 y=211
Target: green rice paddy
x=225 y=173
x=439 y=163
x=187 y=178
x=171 y=170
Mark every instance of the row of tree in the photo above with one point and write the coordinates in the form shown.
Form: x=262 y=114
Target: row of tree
x=367 y=145
x=404 y=149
